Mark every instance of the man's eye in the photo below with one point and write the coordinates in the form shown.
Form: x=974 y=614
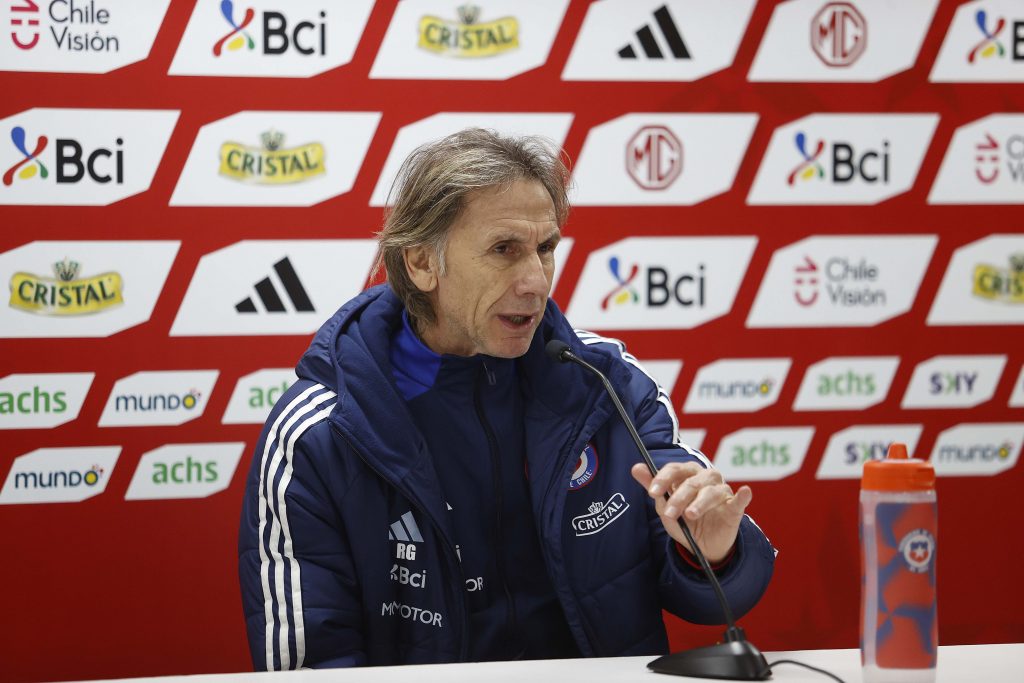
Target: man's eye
x=547 y=248
x=502 y=249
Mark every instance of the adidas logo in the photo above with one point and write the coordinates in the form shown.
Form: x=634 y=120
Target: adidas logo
x=649 y=43
x=405 y=530
x=269 y=297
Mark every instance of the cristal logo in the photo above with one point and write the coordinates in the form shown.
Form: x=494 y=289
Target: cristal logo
x=654 y=157
x=68 y=294
x=871 y=166
x=810 y=167
x=238 y=36
x=467 y=37
x=623 y=292
x=989 y=46
x=277 y=39
x=273 y=163
x=58 y=479
x=839 y=34
x=131 y=403
x=31 y=162
x=1005 y=285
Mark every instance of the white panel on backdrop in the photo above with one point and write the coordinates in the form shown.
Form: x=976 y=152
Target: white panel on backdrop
x=978 y=449
x=78 y=37
x=985 y=43
x=664 y=372
x=657 y=40
x=846 y=383
x=954 y=382
x=553 y=127
x=1017 y=395
x=849 y=449
x=763 y=453
x=984 y=163
x=42 y=400
x=741 y=385
x=257 y=287
x=660 y=283
x=487 y=40
x=863 y=41
x=186 y=470
x=291 y=38
x=256 y=393
x=59 y=475
x=275 y=158
x=694 y=438
x=82 y=289
x=81 y=157
x=843 y=159
x=983 y=285
x=167 y=397
x=661 y=159
x=842 y=281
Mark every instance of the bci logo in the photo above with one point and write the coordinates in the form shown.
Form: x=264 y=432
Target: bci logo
x=659 y=286
x=943 y=383
x=992 y=44
x=103 y=165
x=278 y=37
x=849 y=383
x=763 y=454
x=841 y=164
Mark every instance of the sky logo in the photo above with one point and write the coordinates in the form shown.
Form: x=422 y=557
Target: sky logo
x=624 y=292
x=30 y=169
x=810 y=167
x=989 y=46
x=241 y=36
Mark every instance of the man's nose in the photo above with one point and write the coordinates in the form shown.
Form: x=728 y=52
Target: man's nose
x=533 y=278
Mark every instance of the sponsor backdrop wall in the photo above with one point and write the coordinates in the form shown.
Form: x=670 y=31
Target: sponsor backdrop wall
x=804 y=216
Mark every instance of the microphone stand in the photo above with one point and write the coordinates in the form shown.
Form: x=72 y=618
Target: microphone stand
x=736 y=659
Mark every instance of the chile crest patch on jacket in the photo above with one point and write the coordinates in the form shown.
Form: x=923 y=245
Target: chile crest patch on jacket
x=586 y=468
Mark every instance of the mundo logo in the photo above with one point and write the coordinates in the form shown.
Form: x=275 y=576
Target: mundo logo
x=737 y=386
x=660 y=283
x=59 y=475
x=623 y=292
x=158 y=398
x=985 y=43
x=977 y=449
x=237 y=36
x=842 y=159
x=30 y=165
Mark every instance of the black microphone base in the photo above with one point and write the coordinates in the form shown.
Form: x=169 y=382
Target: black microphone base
x=735 y=661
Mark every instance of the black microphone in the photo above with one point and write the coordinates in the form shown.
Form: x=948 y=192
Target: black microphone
x=737 y=659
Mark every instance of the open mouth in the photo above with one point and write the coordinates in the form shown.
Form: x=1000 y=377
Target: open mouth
x=517 y=321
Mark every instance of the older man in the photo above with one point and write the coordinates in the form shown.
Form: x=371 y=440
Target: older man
x=435 y=489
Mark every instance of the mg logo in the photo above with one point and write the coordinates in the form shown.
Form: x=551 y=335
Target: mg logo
x=839 y=34
x=654 y=157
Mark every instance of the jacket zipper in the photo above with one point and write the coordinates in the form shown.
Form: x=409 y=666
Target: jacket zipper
x=511 y=618
x=445 y=543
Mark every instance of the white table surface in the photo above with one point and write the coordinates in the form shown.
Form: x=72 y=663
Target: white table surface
x=957 y=663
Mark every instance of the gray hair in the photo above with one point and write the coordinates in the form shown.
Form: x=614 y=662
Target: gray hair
x=431 y=188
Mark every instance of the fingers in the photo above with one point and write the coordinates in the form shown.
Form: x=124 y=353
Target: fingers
x=694 y=490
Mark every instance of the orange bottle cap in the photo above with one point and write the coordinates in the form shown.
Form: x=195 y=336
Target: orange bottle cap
x=898 y=472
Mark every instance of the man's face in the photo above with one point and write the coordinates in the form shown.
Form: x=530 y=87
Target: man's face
x=499 y=266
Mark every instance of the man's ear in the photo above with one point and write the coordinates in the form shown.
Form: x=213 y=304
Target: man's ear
x=421 y=265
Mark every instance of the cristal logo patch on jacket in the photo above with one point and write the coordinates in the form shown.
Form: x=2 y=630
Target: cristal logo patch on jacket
x=600 y=515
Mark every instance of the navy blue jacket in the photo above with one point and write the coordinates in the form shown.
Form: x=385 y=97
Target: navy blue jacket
x=342 y=489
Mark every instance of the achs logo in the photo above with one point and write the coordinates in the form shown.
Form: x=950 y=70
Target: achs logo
x=31 y=162
x=1004 y=285
x=810 y=167
x=67 y=294
x=238 y=36
x=269 y=297
x=669 y=34
x=271 y=164
x=918 y=550
x=654 y=157
x=600 y=515
x=839 y=34
x=467 y=37
x=586 y=468
x=623 y=292
x=989 y=46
